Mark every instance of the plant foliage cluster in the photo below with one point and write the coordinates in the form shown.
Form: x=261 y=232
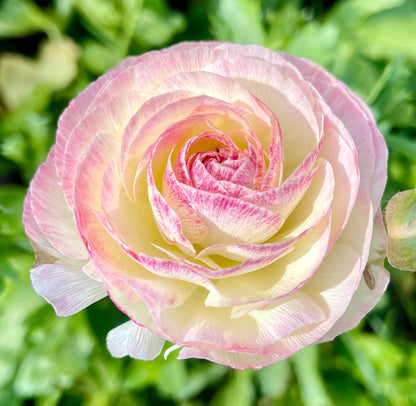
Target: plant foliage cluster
x=50 y=50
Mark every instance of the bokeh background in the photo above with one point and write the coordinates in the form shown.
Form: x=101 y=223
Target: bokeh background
x=51 y=50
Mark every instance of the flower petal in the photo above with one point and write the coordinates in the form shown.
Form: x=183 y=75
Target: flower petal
x=135 y=341
x=55 y=221
x=67 y=288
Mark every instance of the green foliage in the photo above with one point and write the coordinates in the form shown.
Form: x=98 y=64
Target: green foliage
x=46 y=360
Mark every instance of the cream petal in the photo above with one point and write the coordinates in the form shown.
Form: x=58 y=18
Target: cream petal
x=282 y=277
x=207 y=327
x=284 y=97
x=359 y=121
x=364 y=299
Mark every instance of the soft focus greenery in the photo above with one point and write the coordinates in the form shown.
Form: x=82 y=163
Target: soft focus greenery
x=50 y=51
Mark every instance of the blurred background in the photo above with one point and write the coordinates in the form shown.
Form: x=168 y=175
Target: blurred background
x=50 y=51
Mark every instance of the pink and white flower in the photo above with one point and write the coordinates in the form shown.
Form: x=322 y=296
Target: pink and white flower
x=225 y=197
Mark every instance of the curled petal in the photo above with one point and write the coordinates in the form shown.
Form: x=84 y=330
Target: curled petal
x=135 y=341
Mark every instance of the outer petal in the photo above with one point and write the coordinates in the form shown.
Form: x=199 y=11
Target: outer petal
x=55 y=221
x=67 y=288
x=135 y=341
x=357 y=118
x=364 y=299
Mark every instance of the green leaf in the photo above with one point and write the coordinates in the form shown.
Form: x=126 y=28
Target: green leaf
x=393 y=363
x=316 y=42
x=238 y=21
x=312 y=387
x=57 y=357
x=100 y=17
x=402 y=144
x=274 y=379
x=388 y=33
x=11 y=207
x=237 y=391
x=366 y=370
x=22 y=17
x=155 y=29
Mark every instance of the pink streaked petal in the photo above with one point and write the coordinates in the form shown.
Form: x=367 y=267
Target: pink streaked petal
x=37 y=238
x=141 y=116
x=90 y=172
x=282 y=277
x=216 y=272
x=138 y=283
x=117 y=268
x=214 y=86
x=166 y=219
x=66 y=287
x=166 y=65
x=134 y=341
x=288 y=100
x=110 y=118
x=176 y=270
x=288 y=314
x=232 y=220
x=357 y=118
x=339 y=275
x=274 y=174
x=284 y=198
x=80 y=106
x=343 y=159
x=315 y=203
x=249 y=265
x=55 y=221
x=241 y=252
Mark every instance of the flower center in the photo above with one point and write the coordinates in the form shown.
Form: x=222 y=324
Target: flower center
x=223 y=164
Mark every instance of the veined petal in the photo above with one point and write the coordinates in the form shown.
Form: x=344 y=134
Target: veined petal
x=67 y=288
x=364 y=299
x=284 y=97
x=56 y=222
x=232 y=220
x=357 y=118
x=110 y=118
x=282 y=277
x=236 y=360
x=135 y=341
x=81 y=105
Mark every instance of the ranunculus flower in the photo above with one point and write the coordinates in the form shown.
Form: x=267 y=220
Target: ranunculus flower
x=225 y=197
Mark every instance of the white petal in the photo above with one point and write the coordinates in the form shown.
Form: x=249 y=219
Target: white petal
x=135 y=341
x=67 y=289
